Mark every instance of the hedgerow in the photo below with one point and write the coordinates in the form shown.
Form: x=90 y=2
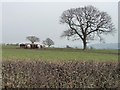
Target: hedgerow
x=40 y=74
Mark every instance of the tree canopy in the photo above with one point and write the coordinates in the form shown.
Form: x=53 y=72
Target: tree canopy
x=33 y=39
x=86 y=23
x=48 y=42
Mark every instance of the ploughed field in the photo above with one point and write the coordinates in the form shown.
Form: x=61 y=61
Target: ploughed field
x=59 y=68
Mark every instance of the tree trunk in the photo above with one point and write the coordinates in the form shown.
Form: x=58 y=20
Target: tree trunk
x=32 y=45
x=48 y=45
x=84 y=44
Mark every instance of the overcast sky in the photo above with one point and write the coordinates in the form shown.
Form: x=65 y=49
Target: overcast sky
x=41 y=19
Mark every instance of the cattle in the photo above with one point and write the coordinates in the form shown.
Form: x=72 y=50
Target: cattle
x=22 y=45
x=28 y=46
x=38 y=46
x=41 y=46
x=31 y=46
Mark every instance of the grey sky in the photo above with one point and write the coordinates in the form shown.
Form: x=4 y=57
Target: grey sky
x=41 y=19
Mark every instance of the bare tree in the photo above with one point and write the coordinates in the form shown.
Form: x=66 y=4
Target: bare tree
x=86 y=23
x=33 y=39
x=48 y=42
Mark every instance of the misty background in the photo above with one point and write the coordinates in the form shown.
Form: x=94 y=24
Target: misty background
x=41 y=19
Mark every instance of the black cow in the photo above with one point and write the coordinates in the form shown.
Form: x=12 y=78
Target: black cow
x=22 y=46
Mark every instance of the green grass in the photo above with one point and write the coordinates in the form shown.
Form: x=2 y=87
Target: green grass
x=13 y=53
